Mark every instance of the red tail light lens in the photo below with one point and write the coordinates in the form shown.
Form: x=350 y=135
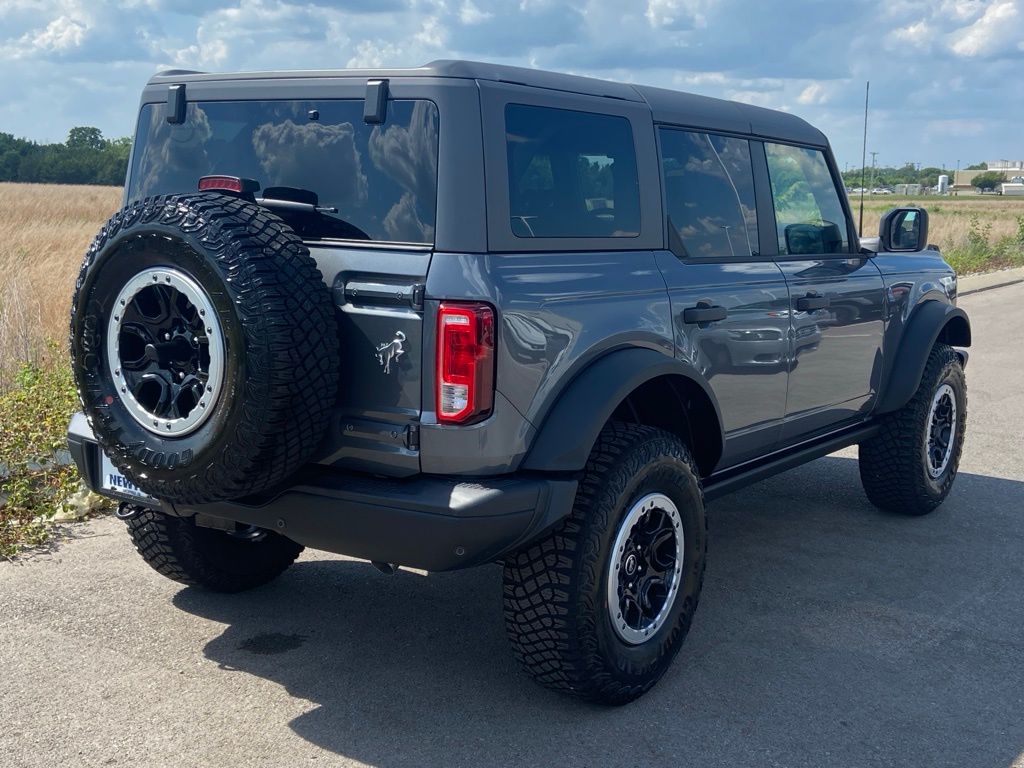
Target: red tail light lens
x=465 y=362
x=228 y=184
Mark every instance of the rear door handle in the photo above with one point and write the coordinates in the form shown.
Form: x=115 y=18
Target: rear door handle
x=704 y=312
x=812 y=301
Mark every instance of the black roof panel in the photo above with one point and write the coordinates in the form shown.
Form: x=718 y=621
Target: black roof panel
x=667 y=106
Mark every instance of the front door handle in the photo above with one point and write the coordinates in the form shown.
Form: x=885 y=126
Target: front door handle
x=812 y=301
x=704 y=312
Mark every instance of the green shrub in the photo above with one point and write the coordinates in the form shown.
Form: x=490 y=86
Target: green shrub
x=979 y=253
x=34 y=485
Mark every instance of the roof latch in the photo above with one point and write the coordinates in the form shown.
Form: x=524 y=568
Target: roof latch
x=176 y=104
x=375 y=109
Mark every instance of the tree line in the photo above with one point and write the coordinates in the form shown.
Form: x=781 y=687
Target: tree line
x=890 y=176
x=86 y=157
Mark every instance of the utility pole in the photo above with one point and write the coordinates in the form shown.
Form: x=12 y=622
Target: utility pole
x=863 y=153
x=873 y=156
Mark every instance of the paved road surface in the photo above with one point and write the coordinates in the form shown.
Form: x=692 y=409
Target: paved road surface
x=828 y=634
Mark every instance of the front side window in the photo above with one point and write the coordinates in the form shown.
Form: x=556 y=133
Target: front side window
x=570 y=174
x=808 y=213
x=366 y=182
x=709 y=193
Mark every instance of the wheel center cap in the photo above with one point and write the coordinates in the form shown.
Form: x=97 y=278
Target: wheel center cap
x=630 y=564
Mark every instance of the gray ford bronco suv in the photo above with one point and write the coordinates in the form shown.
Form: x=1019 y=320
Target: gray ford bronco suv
x=469 y=314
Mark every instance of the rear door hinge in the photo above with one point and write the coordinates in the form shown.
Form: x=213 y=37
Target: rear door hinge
x=418 y=291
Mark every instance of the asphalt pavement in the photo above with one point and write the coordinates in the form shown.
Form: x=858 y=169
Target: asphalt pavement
x=829 y=633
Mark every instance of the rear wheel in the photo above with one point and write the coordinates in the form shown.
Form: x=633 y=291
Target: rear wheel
x=600 y=607
x=221 y=561
x=910 y=465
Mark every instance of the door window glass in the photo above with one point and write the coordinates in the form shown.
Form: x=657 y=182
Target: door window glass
x=709 y=193
x=808 y=213
x=570 y=174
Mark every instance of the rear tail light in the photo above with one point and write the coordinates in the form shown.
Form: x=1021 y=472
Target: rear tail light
x=465 y=362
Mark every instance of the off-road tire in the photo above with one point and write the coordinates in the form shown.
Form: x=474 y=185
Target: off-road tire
x=177 y=548
x=893 y=463
x=280 y=337
x=555 y=599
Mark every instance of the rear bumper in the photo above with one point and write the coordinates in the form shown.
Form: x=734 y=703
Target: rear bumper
x=431 y=522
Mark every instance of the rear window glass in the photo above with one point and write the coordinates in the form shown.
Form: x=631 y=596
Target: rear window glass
x=371 y=182
x=570 y=174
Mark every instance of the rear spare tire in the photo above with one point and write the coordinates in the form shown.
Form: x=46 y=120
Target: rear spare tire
x=204 y=347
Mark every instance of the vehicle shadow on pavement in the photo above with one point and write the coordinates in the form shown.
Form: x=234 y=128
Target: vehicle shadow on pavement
x=828 y=633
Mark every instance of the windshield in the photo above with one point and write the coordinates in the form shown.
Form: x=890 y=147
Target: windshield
x=381 y=179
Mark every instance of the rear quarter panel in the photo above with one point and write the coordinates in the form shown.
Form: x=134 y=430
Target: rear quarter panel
x=556 y=313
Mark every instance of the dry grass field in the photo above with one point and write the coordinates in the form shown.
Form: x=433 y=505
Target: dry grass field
x=950 y=217
x=44 y=232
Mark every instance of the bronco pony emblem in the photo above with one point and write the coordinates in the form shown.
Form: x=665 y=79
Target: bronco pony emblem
x=390 y=351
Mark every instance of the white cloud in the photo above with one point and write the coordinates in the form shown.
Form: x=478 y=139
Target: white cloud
x=60 y=35
x=470 y=14
x=919 y=34
x=959 y=128
x=951 y=65
x=815 y=93
x=675 y=13
x=1001 y=26
x=431 y=33
x=376 y=53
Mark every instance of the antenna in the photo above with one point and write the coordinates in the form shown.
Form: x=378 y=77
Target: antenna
x=864 y=158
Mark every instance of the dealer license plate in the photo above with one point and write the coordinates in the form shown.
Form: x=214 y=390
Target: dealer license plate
x=114 y=480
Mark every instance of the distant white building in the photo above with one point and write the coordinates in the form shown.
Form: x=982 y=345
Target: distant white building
x=1006 y=166
x=1009 y=168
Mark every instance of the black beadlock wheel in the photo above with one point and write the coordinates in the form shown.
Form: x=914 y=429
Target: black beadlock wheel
x=220 y=561
x=910 y=465
x=205 y=347
x=600 y=607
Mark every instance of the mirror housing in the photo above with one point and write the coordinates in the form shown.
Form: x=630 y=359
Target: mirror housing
x=904 y=230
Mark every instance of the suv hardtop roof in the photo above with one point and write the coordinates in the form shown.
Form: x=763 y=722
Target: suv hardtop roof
x=667 y=106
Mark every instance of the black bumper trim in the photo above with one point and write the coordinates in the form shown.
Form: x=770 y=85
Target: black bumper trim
x=431 y=522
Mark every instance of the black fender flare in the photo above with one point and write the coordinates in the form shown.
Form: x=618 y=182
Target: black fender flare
x=571 y=427
x=932 y=321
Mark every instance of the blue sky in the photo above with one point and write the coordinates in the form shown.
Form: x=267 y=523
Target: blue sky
x=947 y=76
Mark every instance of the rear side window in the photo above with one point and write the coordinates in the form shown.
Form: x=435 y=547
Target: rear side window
x=570 y=174
x=381 y=179
x=808 y=213
x=709 y=193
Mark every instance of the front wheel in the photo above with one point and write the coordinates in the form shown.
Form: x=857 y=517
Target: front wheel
x=600 y=607
x=910 y=465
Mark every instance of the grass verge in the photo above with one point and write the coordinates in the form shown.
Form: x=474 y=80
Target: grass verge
x=38 y=486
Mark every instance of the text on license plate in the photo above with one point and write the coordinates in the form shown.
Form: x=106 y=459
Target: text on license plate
x=113 y=480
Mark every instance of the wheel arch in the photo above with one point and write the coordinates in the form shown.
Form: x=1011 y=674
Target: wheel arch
x=932 y=322
x=638 y=385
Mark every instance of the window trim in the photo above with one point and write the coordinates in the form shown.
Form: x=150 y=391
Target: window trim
x=853 y=239
x=494 y=97
x=761 y=254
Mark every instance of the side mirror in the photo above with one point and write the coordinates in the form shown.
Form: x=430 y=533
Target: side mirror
x=904 y=229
